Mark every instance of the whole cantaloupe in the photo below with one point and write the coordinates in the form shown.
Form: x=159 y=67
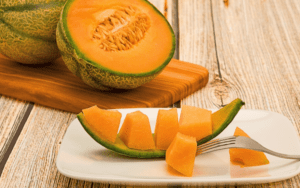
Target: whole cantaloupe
x=28 y=30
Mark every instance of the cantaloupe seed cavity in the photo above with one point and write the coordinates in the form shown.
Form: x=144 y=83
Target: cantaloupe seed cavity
x=120 y=28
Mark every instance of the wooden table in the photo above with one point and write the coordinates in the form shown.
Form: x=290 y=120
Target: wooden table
x=251 y=49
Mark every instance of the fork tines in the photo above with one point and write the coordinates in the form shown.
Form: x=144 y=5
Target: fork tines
x=216 y=144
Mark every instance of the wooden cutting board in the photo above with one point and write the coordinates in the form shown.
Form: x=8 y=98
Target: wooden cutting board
x=53 y=85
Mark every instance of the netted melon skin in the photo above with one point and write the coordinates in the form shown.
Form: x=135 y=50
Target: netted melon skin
x=25 y=49
x=28 y=30
x=92 y=75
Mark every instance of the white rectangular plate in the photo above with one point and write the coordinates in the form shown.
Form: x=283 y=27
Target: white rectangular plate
x=81 y=157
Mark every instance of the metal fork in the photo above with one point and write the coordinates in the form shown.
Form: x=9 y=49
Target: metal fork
x=238 y=142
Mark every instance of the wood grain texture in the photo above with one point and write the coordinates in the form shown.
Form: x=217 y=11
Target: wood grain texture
x=196 y=45
x=251 y=50
x=259 y=54
x=258 y=51
x=12 y=112
x=55 y=86
x=32 y=162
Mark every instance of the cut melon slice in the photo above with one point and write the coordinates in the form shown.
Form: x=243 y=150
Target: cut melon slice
x=246 y=157
x=104 y=123
x=166 y=128
x=221 y=119
x=136 y=131
x=181 y=154
x=196 y=122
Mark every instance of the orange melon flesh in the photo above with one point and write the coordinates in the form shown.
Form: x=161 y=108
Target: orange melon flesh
x=146 y=56
x=104 y=123
x=166 y=128
x=136 y=131
x=195 y=122
x=246 y=157
x=181 y=154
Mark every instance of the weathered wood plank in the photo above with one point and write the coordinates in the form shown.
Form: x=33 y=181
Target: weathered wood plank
x=12 y=112
x=258 y=54
x=256 y=51
x=159 y=4
x=257 y=43
x=196 y=45
x=32 y=162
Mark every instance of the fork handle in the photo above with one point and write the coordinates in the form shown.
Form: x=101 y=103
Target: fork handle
x=244 y=141
x=280 y=154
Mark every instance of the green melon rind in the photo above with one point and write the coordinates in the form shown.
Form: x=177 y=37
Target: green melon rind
x=119 y=145
x=31 y=40
x=101 y=77
x=75 y=64
x=229 y=110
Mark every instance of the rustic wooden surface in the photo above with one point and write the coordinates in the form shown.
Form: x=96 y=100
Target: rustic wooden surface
x=251 y=49
x=12 y=112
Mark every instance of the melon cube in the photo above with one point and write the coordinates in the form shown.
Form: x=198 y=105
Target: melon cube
x=196 y=122
x=246 y=157
x=136 y=131
x=166 y=128
x=104 y=123
x=181 y=154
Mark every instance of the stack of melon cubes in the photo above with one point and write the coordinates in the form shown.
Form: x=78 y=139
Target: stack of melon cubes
x=178 y=137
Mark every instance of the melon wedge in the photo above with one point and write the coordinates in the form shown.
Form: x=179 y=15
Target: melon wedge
x=196 y=122
x=119 y=146
x=181 y=154
x=246 y=157
x=221 y=119
x=136 y=131
x=166 y=128
x=104 y=123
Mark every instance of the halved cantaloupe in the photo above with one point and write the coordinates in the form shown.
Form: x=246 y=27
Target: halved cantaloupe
x=136 y=131
x=104 y=123
x=195 y=122
x=114 y=43
x=181 y=154
x=166 y=128
x=246 y=157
